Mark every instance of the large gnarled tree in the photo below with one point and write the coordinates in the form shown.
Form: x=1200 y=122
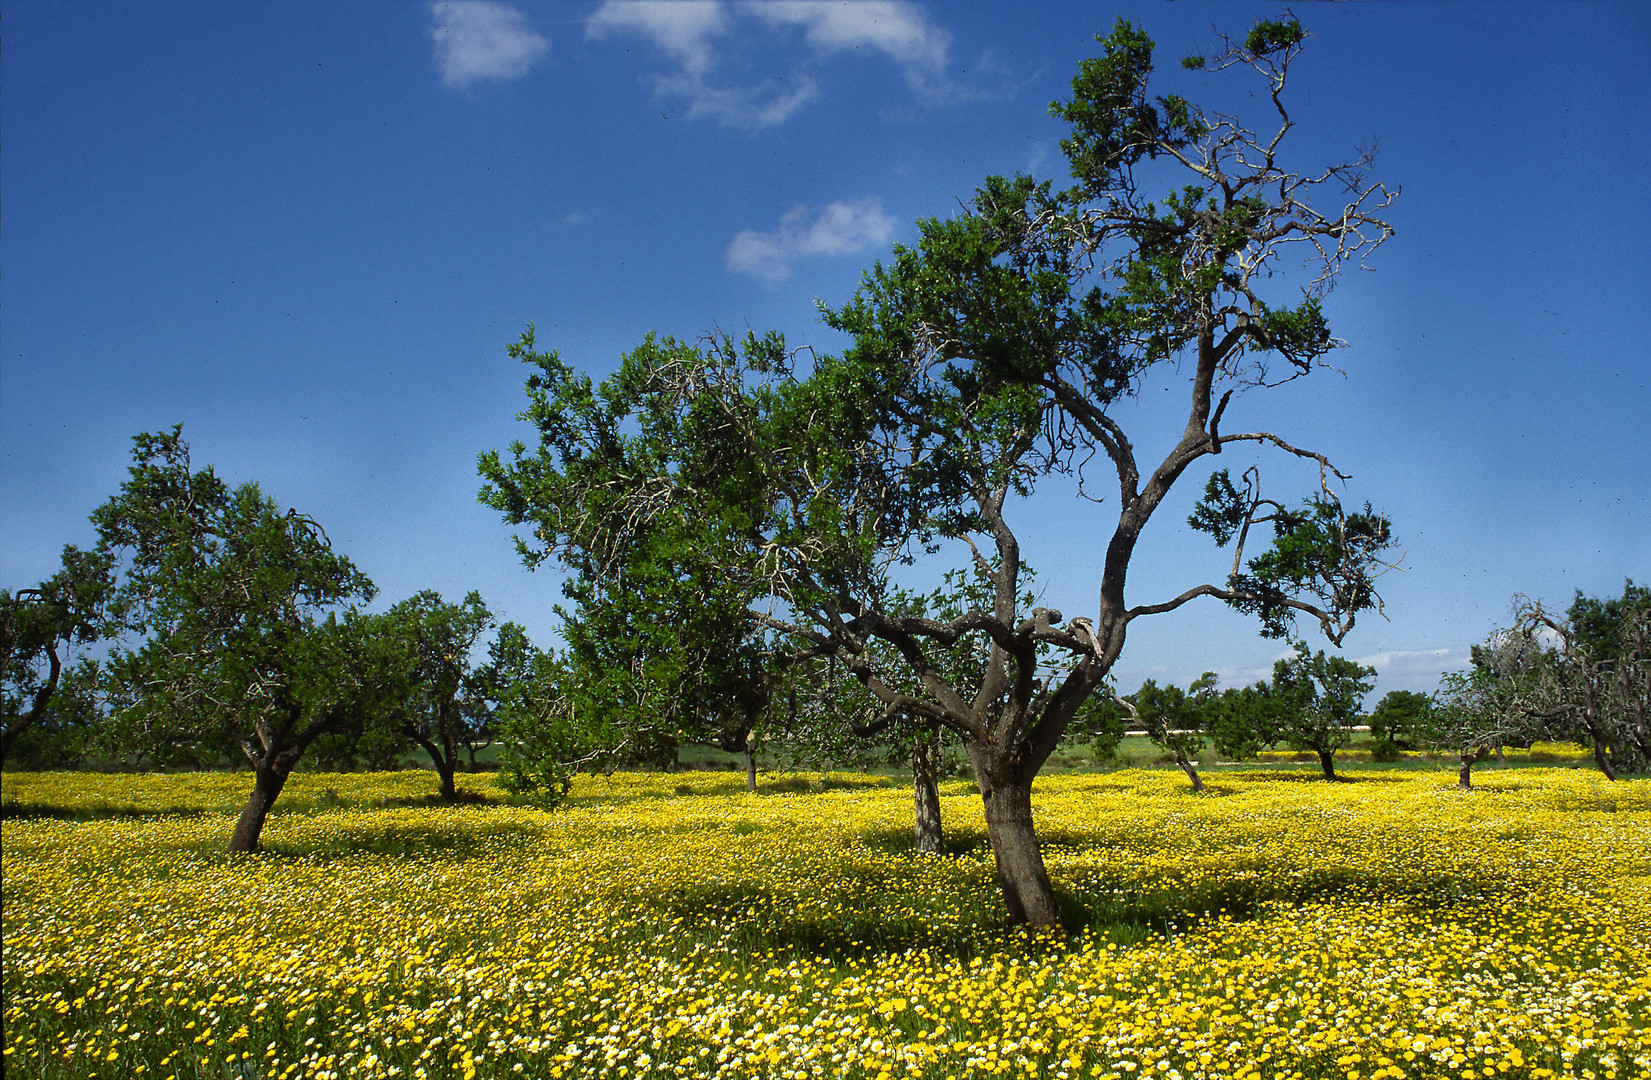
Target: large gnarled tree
x=993 y=353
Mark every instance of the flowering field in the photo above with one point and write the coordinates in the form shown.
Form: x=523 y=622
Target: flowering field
x=673 y=925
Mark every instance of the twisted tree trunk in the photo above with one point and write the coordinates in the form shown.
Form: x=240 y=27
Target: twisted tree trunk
x=1191 y=771
x=1015 y=849
x=268 y=780
x=1464 y=772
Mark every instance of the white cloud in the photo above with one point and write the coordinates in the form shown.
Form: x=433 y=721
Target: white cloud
x=764 y=105
x=691 y=33
x=682 y=28
x=900 y=31
x=1415 y=669
x=838 y=229
x=477 y=40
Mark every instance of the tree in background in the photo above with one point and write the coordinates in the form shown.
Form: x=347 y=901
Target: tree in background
x=1495 y=703
x=1171 y=719
x=1595 y=688
x=39 y=630
x=1242 y=722
x=983 y=359
x=235 y=621
x=1400 y=721
x=430 y=642
x=1322 y=696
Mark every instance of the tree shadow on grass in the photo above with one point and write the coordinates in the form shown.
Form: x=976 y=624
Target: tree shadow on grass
x=95 y=812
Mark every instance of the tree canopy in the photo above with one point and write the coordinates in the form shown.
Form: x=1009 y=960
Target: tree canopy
x=1000 y=349
x=235 y=620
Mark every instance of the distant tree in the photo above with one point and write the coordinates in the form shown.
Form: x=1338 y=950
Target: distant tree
x=1596 y=687
x=546 y=736
x=1171 y=720
x=1497 y=702
x=39 y=630
x=1400 y=721
x=1322 y=696
x=235 y=620
x=1243 y=722
x=986 y=357
x=430 y=642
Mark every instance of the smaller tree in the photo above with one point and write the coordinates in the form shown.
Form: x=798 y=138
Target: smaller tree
x=1242 y=722
x=1400 y=721
x=235 y=622
x=1322 y=697
x=1595 y=688
x=1171 y=720
x=39 y=629
x=431 y=641
x=545 y=736
x=1495 y=703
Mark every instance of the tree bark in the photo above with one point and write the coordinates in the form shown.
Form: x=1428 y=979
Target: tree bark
x=1327 y=761
x=1020 y=870
x=750 y=765
x=1191 y=771
x=1464 y=772
x=267 y=783
x=1602 y=758
x=926 y=796
x=446 y=764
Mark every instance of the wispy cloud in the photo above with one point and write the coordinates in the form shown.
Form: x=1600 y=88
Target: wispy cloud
x=479 y=40
x=692 y=33
x=683 y=29
x=839 y=229
x=1416 y=669
x=900 y=31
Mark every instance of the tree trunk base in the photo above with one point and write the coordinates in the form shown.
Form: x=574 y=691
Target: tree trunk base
x=926 y=797
x=1192 y=773
x=1020 y=869
x=266 y=788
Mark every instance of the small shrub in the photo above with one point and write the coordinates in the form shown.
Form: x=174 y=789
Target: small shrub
x=1385 y=750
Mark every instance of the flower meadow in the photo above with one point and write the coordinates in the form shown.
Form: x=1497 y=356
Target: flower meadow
x=676 y=926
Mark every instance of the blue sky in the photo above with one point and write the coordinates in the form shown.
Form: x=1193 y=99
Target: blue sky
x=308 y=232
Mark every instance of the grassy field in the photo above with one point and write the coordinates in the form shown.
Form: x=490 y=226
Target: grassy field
x=673 y=925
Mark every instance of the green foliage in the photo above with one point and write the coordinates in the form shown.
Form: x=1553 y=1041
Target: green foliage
x=1171 y=718
x=1599 y=623
x=1318 y=551
x=39 y=630
x=1322 y=696
x=728 y=509
x=232 y=616
x=433 y=640
x=1270 y=36
x=544 y=739
x=1243 y=722
x=1400 y=721
x=1101 y=723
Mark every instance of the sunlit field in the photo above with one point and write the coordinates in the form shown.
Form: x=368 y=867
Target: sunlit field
x=673 y=925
